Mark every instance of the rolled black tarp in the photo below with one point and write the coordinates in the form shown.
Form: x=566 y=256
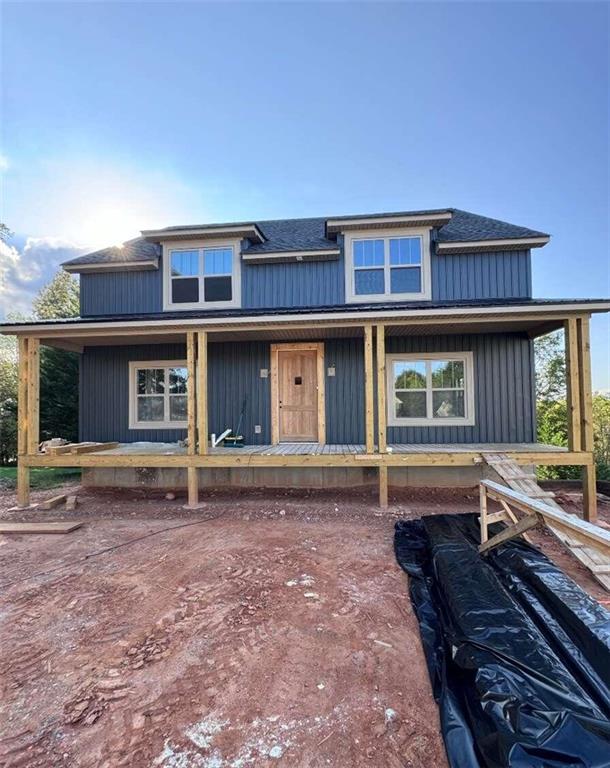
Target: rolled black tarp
x=518 y=654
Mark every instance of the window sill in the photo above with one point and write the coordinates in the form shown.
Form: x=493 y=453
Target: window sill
x=431 y=422
x=371 y=298
x=159 y=425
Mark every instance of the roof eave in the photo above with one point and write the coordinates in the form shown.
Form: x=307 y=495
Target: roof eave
x=111 y=266
x=498 y=244
x=249 y=231
x=342 y=224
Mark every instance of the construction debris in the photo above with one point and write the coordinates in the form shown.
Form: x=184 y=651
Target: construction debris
x=54 y=527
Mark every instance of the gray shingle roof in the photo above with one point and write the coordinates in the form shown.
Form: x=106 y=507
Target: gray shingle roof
x=310 y=234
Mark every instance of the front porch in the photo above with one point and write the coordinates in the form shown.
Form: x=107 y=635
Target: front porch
x=365 y=402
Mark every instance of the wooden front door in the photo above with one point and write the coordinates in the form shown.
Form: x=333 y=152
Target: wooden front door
x=298 y=399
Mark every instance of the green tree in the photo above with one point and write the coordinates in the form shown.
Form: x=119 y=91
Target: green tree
x=58 y=368
x=58 y=373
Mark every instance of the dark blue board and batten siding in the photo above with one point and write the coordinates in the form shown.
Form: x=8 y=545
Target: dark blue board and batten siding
x=503 y=376
x=314 y=284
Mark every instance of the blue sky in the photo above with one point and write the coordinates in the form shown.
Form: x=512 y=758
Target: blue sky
x=120 y=116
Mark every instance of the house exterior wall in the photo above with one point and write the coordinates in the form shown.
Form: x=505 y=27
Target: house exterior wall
x=503 y=377
x=313 y=283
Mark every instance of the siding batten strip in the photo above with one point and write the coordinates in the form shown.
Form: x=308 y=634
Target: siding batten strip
x=202 y=392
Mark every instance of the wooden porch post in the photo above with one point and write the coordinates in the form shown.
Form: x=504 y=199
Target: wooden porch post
x=192 y=478
x=572 y=385
x=589 y=491
x=381 y=415
x=202 y=392
x=23 y=471
x=369 y=404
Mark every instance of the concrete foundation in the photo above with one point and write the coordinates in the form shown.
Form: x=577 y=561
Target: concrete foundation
x=299 y=477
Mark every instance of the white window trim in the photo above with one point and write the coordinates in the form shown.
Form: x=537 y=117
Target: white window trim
x=351 y=297
x=201 y=245
x=134 y=365
x=463 y=421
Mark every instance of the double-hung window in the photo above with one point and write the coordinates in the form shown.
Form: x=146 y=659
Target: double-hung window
x=157 y=395
x=430 y=389
x=208 y=276
x=392 y=266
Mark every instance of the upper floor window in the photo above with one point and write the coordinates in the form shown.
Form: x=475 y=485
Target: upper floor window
x=207 y=276
x=390 y=266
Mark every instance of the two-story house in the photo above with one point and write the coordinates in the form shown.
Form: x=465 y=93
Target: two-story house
x=344 y=347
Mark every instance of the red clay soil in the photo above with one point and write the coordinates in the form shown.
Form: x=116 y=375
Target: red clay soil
x=267 y=629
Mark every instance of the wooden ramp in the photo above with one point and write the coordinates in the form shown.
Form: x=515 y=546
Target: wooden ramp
x=595 y=560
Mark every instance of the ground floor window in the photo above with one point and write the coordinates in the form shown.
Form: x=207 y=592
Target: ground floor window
x=430 y=389
x=157 y=394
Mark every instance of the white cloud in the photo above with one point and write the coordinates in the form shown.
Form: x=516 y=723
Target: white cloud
x=24 y=272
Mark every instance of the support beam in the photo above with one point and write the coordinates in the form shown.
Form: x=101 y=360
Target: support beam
x=589 y=491
x=202 y=392
x=381 y=399
x=23 y=471
x=33 y=399
x=572 y=385
x=190 y=392
x=369 y=402
x=192 y=481
x=383 y=486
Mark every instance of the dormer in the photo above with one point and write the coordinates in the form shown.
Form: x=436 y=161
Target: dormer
x=387 y=257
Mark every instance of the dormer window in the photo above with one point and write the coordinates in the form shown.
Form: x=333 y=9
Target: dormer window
x=206 y=276
x=389 y=265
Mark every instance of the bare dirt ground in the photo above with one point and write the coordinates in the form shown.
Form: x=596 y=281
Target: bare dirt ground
x=266 y=629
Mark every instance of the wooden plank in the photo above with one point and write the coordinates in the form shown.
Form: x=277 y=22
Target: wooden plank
x=54 y=501
x=383 y=486
x=94 y=448
x=381 y=388
x=321 y=371
x=275 y=416
x=589 y=493
x=597 y=536
x=586 y=394
x=484 y=517
x=572 y=385
x=71 y=503
x=23 y=472
x=58 y=527
x=22 y=397
x=33 y=395
x=202 y=392
x=369 y=404
x=509 y=533
x=190 y=392
x=192 y=487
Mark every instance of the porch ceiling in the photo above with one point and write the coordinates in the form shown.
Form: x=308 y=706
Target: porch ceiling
x=306 y=332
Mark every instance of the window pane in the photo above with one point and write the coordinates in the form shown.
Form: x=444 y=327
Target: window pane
x=448 y=404
x=447 y=373
x=368 y=253
x=405 y=251
x=405 y=280
x=177 y=408
x=150 y=408
x=410 y=375
x=177 y=380
x=151 y=381
x=185 y=263
x=217 y=289
x=185 y=290
x=410 y=405
x=218 y=261
x=369 y=281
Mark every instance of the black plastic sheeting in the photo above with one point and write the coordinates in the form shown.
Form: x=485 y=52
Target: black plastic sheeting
x=518 y=654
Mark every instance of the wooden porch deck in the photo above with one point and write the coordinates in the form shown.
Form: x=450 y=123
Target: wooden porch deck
x=332 y=449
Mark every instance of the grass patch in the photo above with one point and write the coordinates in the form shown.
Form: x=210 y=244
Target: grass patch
x=41 y=477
